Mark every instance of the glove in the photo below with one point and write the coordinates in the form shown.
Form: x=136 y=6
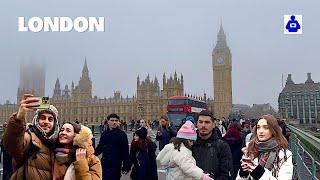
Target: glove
x=206 y=177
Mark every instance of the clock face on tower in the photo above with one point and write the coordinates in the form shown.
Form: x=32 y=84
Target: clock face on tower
x=219 y=59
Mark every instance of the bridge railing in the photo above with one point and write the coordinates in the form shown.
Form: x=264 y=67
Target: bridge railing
x=306 y=153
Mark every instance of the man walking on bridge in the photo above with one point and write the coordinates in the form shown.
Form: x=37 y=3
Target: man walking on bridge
x=114 y=147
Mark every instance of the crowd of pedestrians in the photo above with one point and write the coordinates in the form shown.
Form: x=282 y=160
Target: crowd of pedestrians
x=206 y=149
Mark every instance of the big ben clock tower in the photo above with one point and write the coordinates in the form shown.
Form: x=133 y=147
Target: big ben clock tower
x=222 y=80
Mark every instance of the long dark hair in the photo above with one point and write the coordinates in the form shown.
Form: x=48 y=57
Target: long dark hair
x=141 y=144
x=276 y=132
x=177 y=143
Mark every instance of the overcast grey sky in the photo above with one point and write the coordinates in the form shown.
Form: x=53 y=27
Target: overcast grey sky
x=156 y=36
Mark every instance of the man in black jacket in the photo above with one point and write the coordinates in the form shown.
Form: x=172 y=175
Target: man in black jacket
x=114 y=147
x=165 y=132
x=212 y=154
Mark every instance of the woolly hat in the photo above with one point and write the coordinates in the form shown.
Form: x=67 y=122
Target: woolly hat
x=83 y=138
x=142 y=133
x=187 y=131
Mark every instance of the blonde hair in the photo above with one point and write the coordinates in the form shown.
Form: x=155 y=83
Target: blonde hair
x=83 y=138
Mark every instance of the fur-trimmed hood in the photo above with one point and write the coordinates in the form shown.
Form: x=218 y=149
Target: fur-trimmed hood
x=83 y=138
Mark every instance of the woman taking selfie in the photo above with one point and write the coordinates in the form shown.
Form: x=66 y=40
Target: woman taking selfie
x=74 y=154
x=267 y=155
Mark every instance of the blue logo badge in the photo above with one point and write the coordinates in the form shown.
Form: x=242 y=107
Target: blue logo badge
x=292 y=24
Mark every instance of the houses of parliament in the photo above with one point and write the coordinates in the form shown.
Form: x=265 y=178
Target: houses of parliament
x=76 y=102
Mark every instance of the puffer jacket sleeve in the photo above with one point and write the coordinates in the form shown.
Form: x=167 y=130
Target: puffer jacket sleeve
x=165 y=154
x=85 y=171
x=15 y=139
x=184 y=161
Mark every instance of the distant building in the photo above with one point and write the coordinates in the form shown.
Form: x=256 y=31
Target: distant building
x=77 y=103
x=6 y=111
x=32 y=78
x=255 y=111
x=300 y=101
x=240 y=107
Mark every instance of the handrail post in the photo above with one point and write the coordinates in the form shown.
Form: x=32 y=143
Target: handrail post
x=294 y=146
x=313 y=168
x=296 y=153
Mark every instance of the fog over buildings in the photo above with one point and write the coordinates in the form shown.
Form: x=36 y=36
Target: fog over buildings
x=154 y=37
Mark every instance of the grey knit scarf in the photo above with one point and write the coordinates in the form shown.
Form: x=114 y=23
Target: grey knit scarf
x=268 y=152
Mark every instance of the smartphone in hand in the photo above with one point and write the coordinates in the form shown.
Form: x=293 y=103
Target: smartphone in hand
x=247 y=160
x=44 y=103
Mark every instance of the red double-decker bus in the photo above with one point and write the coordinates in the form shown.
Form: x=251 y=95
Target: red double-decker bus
x=182 y=108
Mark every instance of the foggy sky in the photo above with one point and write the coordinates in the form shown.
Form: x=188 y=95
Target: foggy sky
x=157 y=36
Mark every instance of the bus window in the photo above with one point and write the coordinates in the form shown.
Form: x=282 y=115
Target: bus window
x=176 y=119
x=178 y=101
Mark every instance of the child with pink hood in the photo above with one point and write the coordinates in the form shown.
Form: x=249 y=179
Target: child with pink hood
x=178 y=155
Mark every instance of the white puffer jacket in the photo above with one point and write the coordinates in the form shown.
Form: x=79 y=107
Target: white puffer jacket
x=285 y=169
x=182 y=164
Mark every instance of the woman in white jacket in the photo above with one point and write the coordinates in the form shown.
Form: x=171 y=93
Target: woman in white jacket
x=267 y=156
x=178 y=156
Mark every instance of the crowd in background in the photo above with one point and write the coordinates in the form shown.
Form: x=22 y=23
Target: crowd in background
x=208 y=149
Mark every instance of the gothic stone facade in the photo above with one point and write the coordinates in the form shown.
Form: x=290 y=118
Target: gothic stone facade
x=149 y=103
x=300 y=101
x=77 y=103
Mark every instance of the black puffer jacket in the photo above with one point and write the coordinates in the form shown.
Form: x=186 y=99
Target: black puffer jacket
x=213 y=156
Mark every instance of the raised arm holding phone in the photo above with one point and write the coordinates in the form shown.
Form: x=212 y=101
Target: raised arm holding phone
x=31 y=148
